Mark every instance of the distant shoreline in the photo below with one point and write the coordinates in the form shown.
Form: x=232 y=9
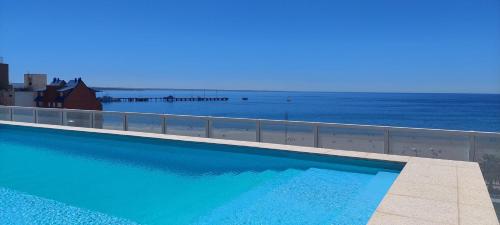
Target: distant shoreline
x=234 y=90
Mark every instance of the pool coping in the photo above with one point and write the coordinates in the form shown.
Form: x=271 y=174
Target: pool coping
x=427 y=191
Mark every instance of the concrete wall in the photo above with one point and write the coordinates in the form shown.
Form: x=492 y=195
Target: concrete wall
x=25 y=98
x=35 y=81
x=7 y=97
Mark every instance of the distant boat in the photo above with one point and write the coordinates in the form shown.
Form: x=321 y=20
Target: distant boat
x=289 y=99
x=244 y=98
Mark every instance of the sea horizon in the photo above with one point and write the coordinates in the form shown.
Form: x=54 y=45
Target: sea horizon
x=98 y=88
x=450 y=111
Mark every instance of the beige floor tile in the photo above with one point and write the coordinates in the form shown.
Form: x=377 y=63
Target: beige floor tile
x=473 y=215
x=469 y=172
x=471 y=179
x=429 y=174
x=444 y=162
x=426 y=191
x=347 y=153
x=423 y=209
x=388 y=219
x=395 y=158
x=475 y=197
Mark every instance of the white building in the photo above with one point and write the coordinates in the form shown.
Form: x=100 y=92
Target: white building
x=35 y=81
x=25 y=93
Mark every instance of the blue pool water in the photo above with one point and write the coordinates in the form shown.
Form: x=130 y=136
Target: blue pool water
x=66 y=177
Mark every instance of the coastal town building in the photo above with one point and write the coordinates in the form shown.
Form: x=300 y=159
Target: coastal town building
x=48 y=97
x=4 y=75
x=74 y=94
x=26 y=92
x=35 y=82
x=35 y=92
x=6 y=90
x=20 y=94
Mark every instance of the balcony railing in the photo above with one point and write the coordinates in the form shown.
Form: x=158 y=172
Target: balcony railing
x=481 y=147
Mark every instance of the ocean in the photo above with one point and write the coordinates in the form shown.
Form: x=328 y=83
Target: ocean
x=479 y=112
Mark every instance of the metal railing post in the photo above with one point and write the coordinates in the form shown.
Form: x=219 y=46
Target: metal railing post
x=164 y=124
x=208 y=129
x=11 y=114
x=125 y=122
x=92 y=119
x=387 y=141
x=316 y=136
x=472 y=147
x=258 y=137
x=64 y=117
x=35 y=115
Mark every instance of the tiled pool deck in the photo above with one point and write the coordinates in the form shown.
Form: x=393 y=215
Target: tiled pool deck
x=427 y=191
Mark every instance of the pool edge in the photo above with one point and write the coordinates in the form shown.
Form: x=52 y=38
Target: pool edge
x=427 y=191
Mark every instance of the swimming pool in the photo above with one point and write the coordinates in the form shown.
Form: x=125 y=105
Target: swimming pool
x=60 y=176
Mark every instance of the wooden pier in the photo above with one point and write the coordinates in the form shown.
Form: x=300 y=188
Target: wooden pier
x=164 y=99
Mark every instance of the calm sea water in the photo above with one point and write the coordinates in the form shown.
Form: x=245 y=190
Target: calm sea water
x=479 y=112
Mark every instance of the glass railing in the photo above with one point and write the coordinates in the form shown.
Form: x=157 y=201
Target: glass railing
x=481 y=147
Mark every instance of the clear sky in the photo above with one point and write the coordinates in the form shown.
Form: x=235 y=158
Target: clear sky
x=318 y=45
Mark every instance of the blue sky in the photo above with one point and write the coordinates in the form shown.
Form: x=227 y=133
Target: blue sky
x=312 y=45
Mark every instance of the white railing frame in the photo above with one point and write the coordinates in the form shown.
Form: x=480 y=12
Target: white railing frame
x=209 y=121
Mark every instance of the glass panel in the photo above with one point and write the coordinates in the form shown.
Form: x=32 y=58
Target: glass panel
x=194 y=127
x=363 y=140
x=430 y=145
x=78 y=119
x=488 y=157
x=145 y=123
x=22 y=115
x=4 y=114
x=234 y=130
x=287 y=134
x=49 y=117
x=110 y=121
